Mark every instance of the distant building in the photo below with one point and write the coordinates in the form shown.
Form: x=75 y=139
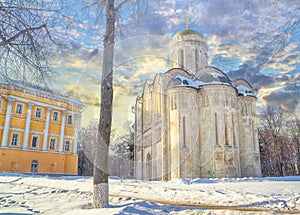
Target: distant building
x=38 y=130
x=193 y=121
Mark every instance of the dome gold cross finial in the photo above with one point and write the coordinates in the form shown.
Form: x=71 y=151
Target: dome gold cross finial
x=187 y=20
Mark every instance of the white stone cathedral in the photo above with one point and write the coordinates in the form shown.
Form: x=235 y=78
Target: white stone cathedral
x=193 y=121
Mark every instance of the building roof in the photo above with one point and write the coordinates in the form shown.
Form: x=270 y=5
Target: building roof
x=42 y=92
x=187 y=32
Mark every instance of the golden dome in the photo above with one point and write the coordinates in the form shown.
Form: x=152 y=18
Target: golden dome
x=187 y=32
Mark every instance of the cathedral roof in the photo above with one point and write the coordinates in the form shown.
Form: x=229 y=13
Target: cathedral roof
x=244 y=87
x=187 y=32
x=214 y=77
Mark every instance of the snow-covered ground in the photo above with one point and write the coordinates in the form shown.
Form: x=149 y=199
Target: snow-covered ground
x=23 y=194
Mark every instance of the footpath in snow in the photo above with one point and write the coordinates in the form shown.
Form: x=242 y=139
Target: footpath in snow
x=25 y=194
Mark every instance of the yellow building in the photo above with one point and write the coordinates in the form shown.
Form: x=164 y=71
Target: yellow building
x=38 y=130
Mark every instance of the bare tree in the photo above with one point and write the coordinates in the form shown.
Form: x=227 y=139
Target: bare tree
x=100 y=191
x=294 y=126
x=25 y=39
x=113 y=11
x=87 y=140
x=121 y=158
x=283 y=16
x=278 y=137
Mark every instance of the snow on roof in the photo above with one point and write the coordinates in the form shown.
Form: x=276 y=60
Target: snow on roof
x=187 y=82
x=214 y=78
x=184 y=81
x=216 y=74
x=209 y=75
x=246 y=91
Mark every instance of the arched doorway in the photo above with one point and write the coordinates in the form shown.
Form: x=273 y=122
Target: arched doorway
x=148 y=167
x=34 y=166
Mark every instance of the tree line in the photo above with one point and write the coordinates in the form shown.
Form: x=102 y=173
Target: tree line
x=120 y=156
x=279 y=140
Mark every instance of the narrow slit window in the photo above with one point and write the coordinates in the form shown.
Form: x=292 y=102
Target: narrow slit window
x=216 y=129
x=226 y=132
x=233 y=130
x=182 y=58
x=183 y=132
x=196 y=59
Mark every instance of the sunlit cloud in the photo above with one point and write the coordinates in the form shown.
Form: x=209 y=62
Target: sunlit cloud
x=73 y=33
x=285 y=61
x=266 y=91
x=141 y=50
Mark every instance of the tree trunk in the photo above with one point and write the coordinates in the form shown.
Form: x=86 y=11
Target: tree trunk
x=100 y=183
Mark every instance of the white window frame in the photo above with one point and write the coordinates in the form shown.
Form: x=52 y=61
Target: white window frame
x=34 y=166
x=70 y=119
x=57 y=119
x=40 y=112
x=69 y=145
x=37 y=141
x=17 y=109
x=15 y=141
x=52 y=145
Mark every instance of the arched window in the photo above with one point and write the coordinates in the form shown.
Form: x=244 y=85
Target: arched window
x=183 y=132
x=34 y=166
x=148 y=167
x=197 y=59
x=216 y=129
x=254 y=136
x=172 y=103
x=233 y=129
x=181 y=58
x=227 y=141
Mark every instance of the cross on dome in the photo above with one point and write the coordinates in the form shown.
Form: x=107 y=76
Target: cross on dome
x=187 y=20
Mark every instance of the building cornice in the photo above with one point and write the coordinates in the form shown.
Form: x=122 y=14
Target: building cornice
x=49 y=96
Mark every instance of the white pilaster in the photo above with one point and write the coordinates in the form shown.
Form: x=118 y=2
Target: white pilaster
x=27 y=126
x=7 y=122
x=77 y=127
x=46 y=130
x=62 y=131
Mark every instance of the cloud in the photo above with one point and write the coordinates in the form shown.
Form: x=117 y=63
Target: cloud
x=69 y=33
x=285 y=61
x=287 y=100
x=265 y=84
x=251 y=73
x=227 y=48
x=233 y=32
x=90 y=99
x=285 y=93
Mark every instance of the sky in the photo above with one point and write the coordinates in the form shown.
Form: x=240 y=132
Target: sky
x=236 y=32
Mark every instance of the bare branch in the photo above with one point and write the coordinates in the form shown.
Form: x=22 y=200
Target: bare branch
x=273 y=41
x=22 y=32
x=25 y=39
